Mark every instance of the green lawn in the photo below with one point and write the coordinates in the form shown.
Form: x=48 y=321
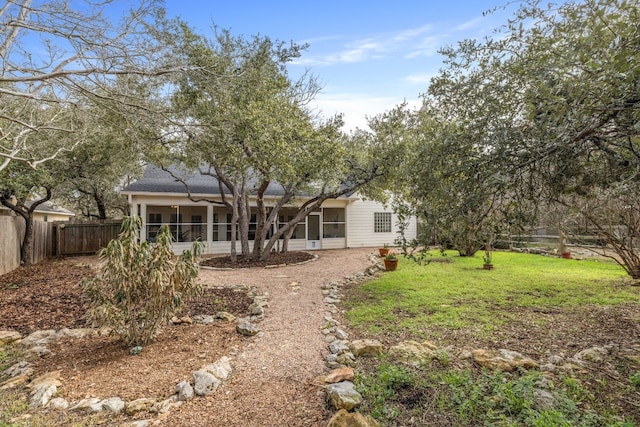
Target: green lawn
x=455 y=292
x=529 y=303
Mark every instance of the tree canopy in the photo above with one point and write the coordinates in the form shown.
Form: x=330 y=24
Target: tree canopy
x=81 y=50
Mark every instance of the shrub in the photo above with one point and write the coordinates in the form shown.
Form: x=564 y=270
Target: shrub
x=140 y=285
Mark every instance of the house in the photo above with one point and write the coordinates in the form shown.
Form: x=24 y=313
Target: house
x=46 y=212
x=346 y=222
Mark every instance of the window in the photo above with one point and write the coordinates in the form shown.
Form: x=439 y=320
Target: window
x=153 y=226
x=382 y=222
x=287 y=214
x=333 y=223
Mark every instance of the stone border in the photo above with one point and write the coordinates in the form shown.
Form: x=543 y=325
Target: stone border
x=206 y=380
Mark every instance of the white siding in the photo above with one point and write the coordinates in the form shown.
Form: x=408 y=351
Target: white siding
x=359 y=225
x=360 y=230
x=335 y=243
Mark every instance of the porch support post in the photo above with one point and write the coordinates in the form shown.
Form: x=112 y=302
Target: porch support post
x=209 y=247
x=143 y=215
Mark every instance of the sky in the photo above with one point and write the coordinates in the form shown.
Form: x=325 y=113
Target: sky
x=367 y=55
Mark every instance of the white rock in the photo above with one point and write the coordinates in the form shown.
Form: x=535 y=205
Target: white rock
x=42 y=395
x=58 y=403
x=113 y=404
x=204 y=383
x=184 y=390
x=221 y=369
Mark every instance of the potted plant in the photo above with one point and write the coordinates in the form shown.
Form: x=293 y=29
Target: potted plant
x=390 y=262
x=384 y=250
x=488 y=260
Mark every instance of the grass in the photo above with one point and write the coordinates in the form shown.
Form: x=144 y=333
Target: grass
x=453 y=296
x=459 y=294
x=393 y=394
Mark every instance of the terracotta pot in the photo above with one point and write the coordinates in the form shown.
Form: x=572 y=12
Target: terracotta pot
x=487 y=266
x=390 y=264
x=383 y=251
x=566 y=255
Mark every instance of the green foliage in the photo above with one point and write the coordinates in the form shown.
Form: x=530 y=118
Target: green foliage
x=395 y=394
x=140 y=285
x=635 y=379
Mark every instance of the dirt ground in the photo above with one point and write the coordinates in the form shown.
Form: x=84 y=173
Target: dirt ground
x=273 y=380
x=274 y=374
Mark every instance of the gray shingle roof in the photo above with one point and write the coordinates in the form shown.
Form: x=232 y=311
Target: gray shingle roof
x=157 y=180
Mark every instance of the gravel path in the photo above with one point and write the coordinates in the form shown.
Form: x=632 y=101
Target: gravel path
x=272 y=384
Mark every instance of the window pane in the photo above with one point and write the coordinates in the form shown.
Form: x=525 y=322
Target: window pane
x=382 y=222
x=333 y=231
x=333 y=215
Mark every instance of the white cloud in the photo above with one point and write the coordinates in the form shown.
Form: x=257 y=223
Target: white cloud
x=419 y=78
x=356 y=107
x=376 y=47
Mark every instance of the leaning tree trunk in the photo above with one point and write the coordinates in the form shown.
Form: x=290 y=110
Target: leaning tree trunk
x=285 y=241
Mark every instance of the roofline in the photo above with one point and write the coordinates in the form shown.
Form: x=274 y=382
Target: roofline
x=172 y=194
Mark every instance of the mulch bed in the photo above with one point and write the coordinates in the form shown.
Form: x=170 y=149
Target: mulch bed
x=48 y=295
x=275 y=258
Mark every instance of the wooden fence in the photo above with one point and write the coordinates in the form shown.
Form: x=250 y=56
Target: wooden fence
x=83 y=238
x=53 y=239
x=11 y=235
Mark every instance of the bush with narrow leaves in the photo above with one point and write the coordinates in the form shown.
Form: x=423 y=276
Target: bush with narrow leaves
x=140 y=285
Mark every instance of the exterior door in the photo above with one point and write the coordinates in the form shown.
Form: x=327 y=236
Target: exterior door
x=313 y=232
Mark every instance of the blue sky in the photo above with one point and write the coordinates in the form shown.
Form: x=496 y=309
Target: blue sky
x=368 y=55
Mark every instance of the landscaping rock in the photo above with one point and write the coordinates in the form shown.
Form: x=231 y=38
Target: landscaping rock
x=343 y=395
x=13 y=382
x=42 y=395
x=340 y=334
x=227 y=317
x=21 y=368
x=85 y=404
x=220 y=369
x=184 y=390
x=114 y=405
x=39 y=350
x=338 y=347
x=343 y=418
x=246 y=328
x=166 y=405
x=48 y=379
x=40 y=338
x=204 y=383
x=58 y=403
x=203 y=319
x=593 y=355
x=138 y=405
x=503 y=360
x=366 y=347
x=7 y=337
x=340 y=374
x=412 y=353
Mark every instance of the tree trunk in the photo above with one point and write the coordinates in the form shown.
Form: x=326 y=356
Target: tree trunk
x=285 y=241
x=234 y=222
x=26 y=254
x=244 y=214
x=102 y=208
x=261 y=213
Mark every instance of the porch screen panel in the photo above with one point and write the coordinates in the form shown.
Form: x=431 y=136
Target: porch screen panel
x=333 y=223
